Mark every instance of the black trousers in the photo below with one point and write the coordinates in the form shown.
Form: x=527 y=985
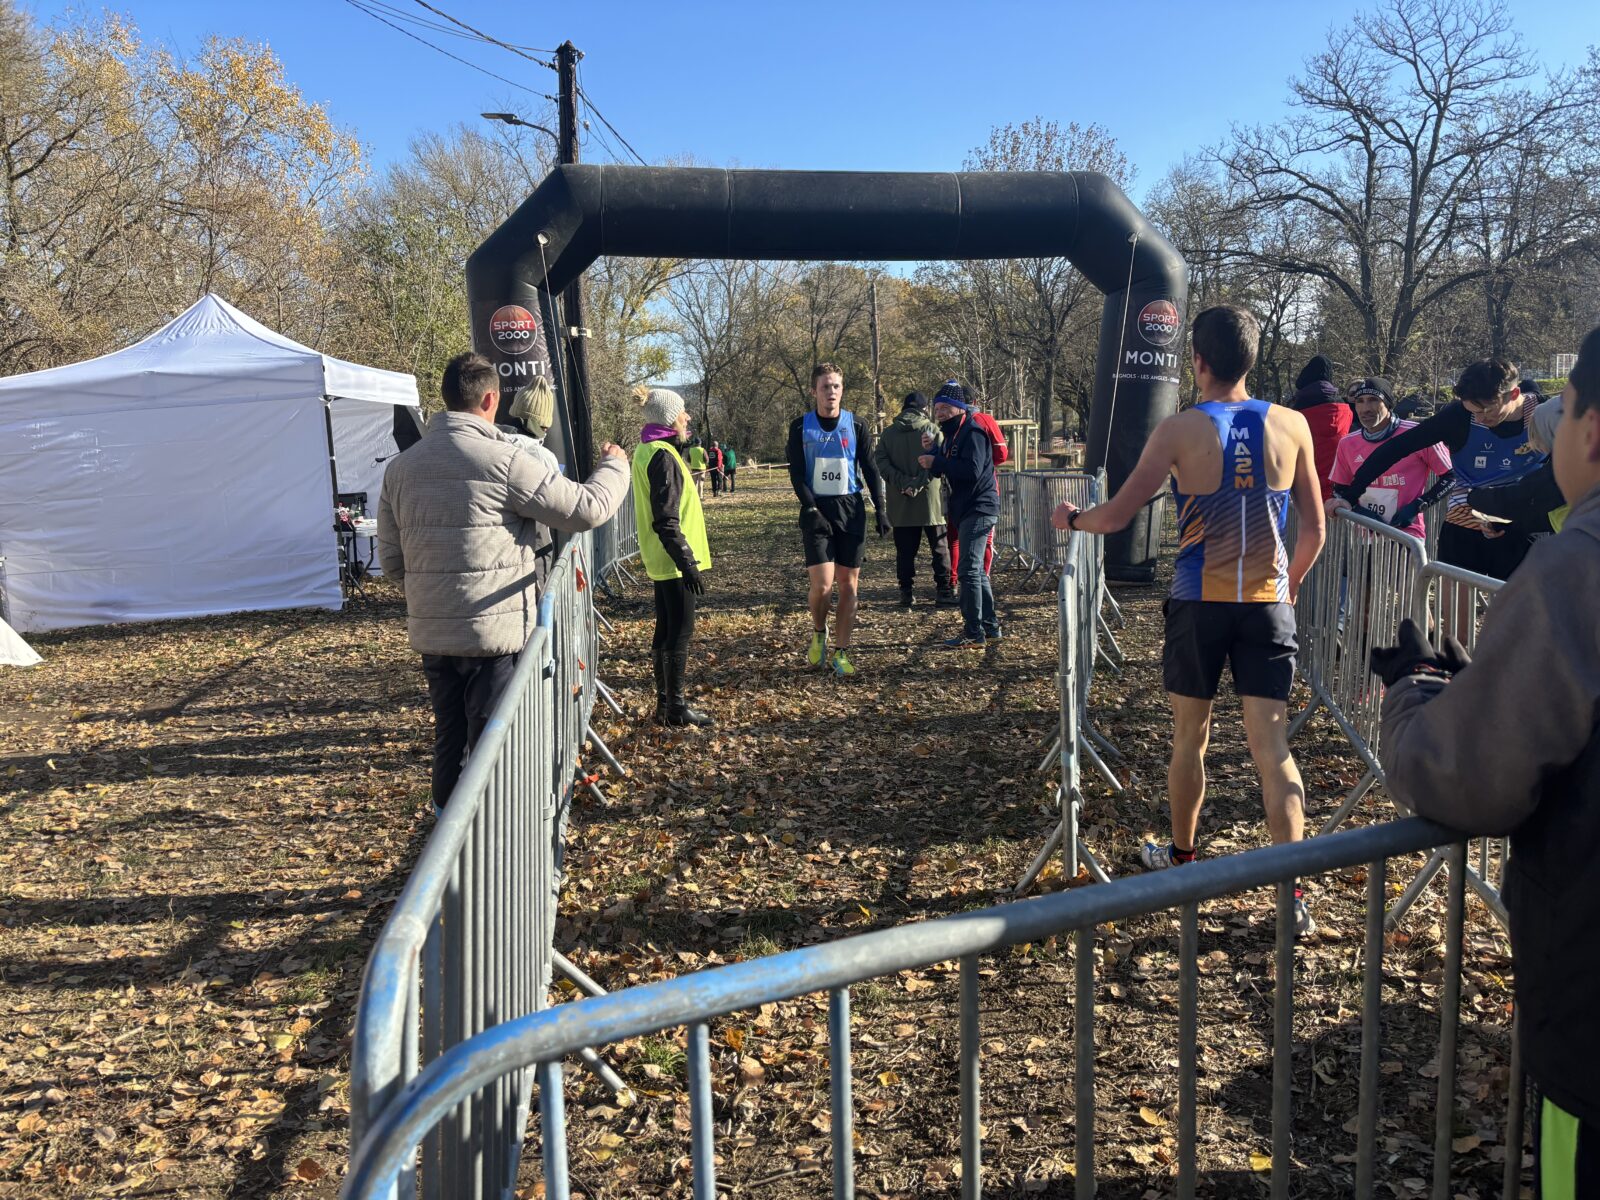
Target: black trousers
x=732 y=471
x=674 y=616
x=463 y=692
x=908 y=540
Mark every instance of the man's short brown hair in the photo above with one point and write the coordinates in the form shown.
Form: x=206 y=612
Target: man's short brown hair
x=466 y=378
x=821 y=369
x=1227 y=337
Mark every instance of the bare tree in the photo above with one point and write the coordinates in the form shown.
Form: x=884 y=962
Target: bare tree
x=1393 y=120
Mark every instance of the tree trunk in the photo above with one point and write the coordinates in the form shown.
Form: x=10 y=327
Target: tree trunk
x=1047 y=398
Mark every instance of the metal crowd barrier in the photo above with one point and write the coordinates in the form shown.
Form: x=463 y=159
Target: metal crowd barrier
x=1082 y=637
x=1027 y=498
x=469 y=944
x=542 y=1040
x=615 y=544
x=1368 y=579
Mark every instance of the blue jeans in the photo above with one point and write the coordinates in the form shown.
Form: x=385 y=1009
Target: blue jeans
x=977 y=597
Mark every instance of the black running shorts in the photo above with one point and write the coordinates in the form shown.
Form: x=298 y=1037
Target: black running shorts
x=1257 y=639
x=844 y=543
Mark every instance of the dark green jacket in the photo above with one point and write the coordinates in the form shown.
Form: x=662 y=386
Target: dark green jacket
x=896 y=459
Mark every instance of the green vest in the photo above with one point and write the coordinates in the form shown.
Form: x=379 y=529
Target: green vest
x=658 y=563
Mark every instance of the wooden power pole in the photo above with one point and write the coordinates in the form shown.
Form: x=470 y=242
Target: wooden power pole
x=578 y=404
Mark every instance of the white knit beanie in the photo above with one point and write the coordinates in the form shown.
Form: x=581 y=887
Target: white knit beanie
x=660 y=407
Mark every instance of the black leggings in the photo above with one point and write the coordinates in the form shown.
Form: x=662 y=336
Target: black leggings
x=674 y=616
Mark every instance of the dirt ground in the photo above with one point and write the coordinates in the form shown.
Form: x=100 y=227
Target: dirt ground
x=205 y=823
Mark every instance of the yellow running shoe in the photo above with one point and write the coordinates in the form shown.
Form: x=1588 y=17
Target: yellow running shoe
x=841 y=664
x=819 y=643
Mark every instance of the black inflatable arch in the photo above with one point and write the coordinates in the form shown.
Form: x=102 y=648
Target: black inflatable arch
x=581 y=212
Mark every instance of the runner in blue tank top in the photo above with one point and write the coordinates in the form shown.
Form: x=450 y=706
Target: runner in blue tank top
x=1234 y=464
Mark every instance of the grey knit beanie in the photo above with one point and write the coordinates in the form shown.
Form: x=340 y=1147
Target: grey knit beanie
x=660 y=407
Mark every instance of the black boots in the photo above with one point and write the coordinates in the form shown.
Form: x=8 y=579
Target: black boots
x=947 y=597
x=906 y=600
x=671 y=706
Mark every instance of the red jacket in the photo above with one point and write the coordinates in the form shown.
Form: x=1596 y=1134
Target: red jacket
x=1330 y=419
x=997 y=440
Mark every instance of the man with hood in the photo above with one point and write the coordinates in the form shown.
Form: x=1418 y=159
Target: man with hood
x=673 y=545
x=916 y=505
x=1326 y=412
x=967 y=461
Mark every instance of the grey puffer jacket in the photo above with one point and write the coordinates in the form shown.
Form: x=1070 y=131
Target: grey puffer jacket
x=458 y=527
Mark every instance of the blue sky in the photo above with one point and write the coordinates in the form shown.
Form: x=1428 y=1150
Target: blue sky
x=887 y=86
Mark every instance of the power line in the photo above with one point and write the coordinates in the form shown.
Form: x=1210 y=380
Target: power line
x=421 y=22
x=595 y=109
x=376 y=16
x=439 y=12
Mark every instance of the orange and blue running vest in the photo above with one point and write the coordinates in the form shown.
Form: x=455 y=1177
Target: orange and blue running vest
x=1230 y=541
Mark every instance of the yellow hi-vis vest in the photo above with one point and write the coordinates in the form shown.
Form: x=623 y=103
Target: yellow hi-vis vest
x=691 y=518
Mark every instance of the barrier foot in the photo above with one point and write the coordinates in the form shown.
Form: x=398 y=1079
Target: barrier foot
x=1100 y=739
x=627 y=574
x=1424 y=877
x=604 y=751
x=1117 y=658
x=1049 y=758
x=1350 y=802
x=1106 y=598
x=1090 y=862
x=1304 y=715
x=1100 y=764
x=591 y=1059
x=609 y=627
x=609 y=697
x=594 y=790
x=1039 y=859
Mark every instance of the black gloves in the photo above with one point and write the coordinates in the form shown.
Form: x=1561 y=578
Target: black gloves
x=813 y=522
x=1415 y=653
x=692 y=580
x=883 y=523
x=1407 y=514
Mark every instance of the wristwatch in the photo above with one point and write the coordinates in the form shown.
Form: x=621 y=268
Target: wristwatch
x=1072 y=519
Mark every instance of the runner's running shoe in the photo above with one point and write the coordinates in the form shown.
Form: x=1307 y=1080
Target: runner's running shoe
x=839 y=660
x=1304 y=926
x=819 y=643
x=1158 y=858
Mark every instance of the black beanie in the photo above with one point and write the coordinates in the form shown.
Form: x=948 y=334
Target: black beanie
x=1318 y=370
x=915 y=401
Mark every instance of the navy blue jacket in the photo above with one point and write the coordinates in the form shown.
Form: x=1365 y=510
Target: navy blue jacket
x=967 y=461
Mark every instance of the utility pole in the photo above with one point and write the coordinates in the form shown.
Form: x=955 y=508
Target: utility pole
x=877 y=384
x=578 y=404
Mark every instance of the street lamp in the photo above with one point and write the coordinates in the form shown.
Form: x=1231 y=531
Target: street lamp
x=513 y=119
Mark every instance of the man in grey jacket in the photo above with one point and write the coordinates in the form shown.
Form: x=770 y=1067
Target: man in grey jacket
x=459 y=529
x=1510 y=744
x=916 y=505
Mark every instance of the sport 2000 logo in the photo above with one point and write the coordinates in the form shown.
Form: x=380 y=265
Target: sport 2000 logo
x=1159 y=322
x=512 y=329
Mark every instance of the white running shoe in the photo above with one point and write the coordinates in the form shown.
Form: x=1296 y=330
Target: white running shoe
x=1304 y=926
x=1157 y=858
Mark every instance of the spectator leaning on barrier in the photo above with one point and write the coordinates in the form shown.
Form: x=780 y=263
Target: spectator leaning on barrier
x=966 y=459
x=672 y=543
x=1234 y=463
x=1486 y=432
x=1326 y=413
x=1398 y=496
x=1533 y=504
x=916 y=506
x=1536 y=669
x=458 y=529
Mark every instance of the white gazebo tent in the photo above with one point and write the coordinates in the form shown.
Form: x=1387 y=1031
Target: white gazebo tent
x=189 y=474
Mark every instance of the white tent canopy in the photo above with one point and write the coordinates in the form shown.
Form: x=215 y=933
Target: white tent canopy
x=185 y=475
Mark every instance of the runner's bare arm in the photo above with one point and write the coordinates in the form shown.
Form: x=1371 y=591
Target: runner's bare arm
x=1307 y=493
x=1143 y=484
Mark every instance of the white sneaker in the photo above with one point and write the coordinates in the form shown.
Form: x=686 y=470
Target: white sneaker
x=1157 y=858
x=1304 y=926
